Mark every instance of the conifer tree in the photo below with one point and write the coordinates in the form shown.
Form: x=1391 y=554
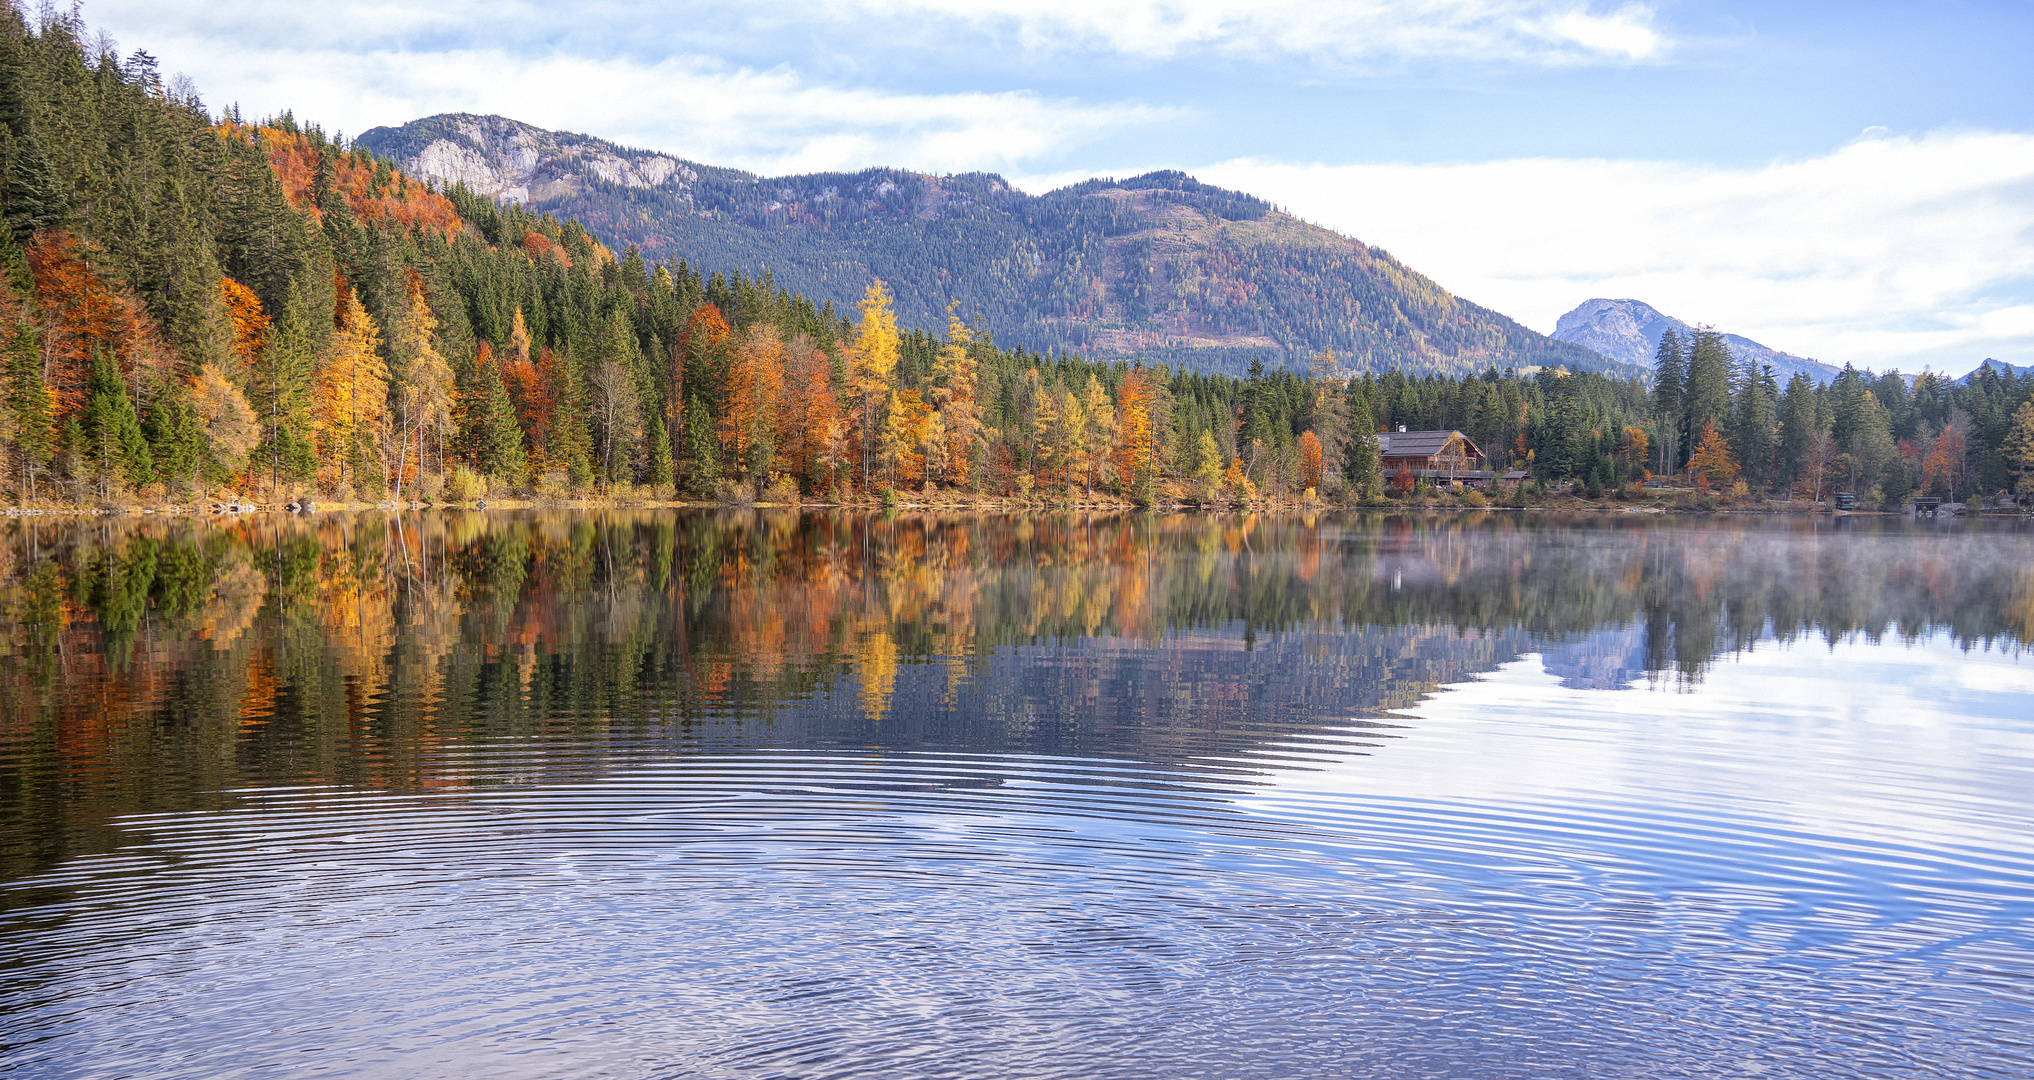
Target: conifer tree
x=1707 y=398
x=31 y=408
x=176 y=438
x=113 y=449
x=494 y=440
x=955 y=388
x=702 y=448
x=874 y=362
x=35 y=196
x=2019 y=448
x=658 y=470
x=1670 y=373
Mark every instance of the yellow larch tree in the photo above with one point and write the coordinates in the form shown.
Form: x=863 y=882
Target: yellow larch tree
x=352 y=394
x=873 y=362
x=424 y=392
x=955 y=381
x=1099 y=435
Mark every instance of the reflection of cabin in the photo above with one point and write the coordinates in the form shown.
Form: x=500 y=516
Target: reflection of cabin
x=1435 y=455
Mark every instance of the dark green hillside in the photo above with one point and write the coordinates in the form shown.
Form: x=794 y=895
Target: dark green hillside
x=1159 y=265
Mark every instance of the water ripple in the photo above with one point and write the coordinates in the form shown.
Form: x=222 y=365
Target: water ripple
x=856 y=914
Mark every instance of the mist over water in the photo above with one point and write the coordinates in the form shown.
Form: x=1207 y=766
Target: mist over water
x=669 y=794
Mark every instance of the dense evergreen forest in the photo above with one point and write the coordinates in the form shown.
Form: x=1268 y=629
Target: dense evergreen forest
x=195 y=304
x=1159 y=265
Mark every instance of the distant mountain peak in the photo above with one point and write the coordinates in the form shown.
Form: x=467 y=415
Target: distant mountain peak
x=1630 y=331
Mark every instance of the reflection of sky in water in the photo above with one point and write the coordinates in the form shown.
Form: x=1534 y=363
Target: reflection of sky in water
x=1926 y=743
x=729 y=795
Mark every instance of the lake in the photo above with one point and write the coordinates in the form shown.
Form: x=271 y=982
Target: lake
x=770 y=794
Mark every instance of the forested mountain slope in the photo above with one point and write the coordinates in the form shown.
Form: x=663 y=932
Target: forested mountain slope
x=1159 y=266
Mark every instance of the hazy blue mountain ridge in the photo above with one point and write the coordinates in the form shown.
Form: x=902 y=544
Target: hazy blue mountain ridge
x=1159 y=266
x=1630 y=331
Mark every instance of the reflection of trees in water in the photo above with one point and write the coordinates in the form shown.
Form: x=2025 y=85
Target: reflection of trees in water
x=161 y=658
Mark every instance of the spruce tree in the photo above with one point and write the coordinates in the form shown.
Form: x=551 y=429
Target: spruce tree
x=176 y=437
x=1364 y=466
x=571 y=443
x=113 y=446
x=1670 y=376
x=657 y=469
x=702 y=449
x=1707 y=397
x=1752 y=424
x=496 y=439
x=35 y=196
x=30 y=406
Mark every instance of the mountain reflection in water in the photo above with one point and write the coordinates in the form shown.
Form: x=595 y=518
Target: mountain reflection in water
x=191 y=690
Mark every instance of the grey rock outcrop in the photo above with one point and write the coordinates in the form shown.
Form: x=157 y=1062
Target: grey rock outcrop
x=511 y=161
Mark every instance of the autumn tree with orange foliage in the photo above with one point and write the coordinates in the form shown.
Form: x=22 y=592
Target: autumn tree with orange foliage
x=1943 y=469
x=753 y=391
x=84 y=314
x=1134 y=461
x=1309 y=462
x=250 y=324
x=810 y=428
x=1713 y=460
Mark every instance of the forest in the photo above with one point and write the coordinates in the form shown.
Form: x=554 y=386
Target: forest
x=193 y=306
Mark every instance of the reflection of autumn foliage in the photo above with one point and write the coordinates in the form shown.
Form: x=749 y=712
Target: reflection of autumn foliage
x=353 y=647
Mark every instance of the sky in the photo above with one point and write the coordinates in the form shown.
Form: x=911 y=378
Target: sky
x=1848 y=181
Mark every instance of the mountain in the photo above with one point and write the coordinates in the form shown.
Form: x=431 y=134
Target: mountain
x=1630 y=331
x=2008 y=370
x=1159 y=266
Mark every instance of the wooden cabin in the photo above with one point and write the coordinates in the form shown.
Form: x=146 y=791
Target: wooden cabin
x=1433 y=455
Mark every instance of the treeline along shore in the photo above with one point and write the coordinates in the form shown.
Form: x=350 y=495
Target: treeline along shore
x=199 y=307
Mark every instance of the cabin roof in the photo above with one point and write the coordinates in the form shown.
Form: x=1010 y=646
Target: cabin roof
x=1421 y=444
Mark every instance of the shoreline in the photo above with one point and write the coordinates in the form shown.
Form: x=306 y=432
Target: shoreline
x=986 y=506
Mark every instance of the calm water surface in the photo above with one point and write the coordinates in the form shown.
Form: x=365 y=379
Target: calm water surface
x=669 y=794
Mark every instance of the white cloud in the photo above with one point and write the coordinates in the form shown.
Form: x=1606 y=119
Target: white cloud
x=1529 y=31
x=1885 y=252
x=769 y=121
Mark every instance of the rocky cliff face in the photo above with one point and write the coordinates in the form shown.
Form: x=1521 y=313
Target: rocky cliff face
x=511 y=161
x=1630 y=330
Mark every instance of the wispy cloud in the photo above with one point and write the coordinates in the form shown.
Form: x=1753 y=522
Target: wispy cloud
x=771 y=121
x=1526 y=31
x=1887 y=251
